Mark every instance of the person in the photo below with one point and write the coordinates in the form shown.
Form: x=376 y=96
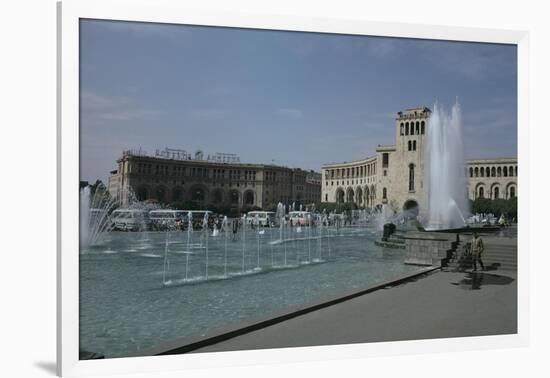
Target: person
x=477 y=251
x=235 y=225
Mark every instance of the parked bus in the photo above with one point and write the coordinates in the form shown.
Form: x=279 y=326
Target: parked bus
x=130 y=220
x=265 y=218
x=167 y=220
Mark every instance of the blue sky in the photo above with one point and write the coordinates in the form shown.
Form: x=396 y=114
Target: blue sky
x=298 y=99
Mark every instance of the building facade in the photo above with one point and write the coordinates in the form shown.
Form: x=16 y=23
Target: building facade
x=235 y=185
x=395 y=174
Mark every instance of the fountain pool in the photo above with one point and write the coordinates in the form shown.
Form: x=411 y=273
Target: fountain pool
x=140 y=289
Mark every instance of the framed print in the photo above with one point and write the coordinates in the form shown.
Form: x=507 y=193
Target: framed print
x=285 y=189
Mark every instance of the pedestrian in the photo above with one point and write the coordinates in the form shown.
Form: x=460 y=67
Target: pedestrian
x=477 y=251
x=235 y=228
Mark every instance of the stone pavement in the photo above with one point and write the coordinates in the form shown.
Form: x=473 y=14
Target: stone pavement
x=440 y=305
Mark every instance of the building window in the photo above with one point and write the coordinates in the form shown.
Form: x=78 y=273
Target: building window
x=417 y=128
x=476 y=172
x=505 y=171
x=414 y=145
x=481 y=192
x=496 y=193
x=410 y=145
x=402 y=129
x=512 y=192
x=385 y=160
x=384 y=193
x=471 y=172
x=411 y=177
x=407 y=128
x=493 y=172
x=422 y=127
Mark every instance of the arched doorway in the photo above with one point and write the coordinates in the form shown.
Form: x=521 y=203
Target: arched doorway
x=411 y=209
x=339 y=195
x=177 y=194
x=234 y=198
x=198 y=195
x=142 y=194
x=359 y=196
x=350 y=195
x=160 y=194
x=249 y=198
x=217 y=196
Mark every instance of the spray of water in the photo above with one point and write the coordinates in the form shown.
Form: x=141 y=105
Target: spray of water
x=444 y=170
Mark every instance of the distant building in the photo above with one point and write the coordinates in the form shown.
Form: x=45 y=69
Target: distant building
x=220 y=180
x=395 y=174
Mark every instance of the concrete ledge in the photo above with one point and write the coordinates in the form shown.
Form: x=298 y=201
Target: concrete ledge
x=187 y=344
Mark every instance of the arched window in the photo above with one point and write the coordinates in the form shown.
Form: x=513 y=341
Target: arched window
x=476 y=172
x=493 y=172
x=411 y=177
x=516 y=173
x=414 y=145
x=410 y=145
x=412 y=128
x=511 y=171
x=482 y=172
x=499 y=172
x=496 y=192
x=481 y=192
x=422 y=127
x=472 y=172
x=417 y=128
x=512 y=192
x=402 y=129
x=407 y=128
x=487 y=172
x=384 y=193
x=505 y=171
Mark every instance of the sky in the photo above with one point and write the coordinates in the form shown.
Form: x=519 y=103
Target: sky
x=289 y=98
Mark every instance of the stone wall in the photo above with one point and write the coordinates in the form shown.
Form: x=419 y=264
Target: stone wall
x=427 y=248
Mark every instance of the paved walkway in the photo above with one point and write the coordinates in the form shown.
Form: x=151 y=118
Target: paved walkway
x=442 y=304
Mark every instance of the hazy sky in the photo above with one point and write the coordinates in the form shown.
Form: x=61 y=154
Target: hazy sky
x=298 y=99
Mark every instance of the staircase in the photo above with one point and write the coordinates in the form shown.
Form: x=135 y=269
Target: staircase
x=500 y=254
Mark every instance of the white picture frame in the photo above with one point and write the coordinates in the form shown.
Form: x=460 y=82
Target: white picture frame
x=171 y=11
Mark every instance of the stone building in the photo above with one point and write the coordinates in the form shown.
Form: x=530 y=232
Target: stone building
x=168 y=179
x=395 y=174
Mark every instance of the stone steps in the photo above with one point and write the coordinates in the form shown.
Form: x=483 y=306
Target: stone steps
x=498 y=254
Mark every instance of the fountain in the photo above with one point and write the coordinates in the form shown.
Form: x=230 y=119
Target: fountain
x=444 y=170
x=94 y=215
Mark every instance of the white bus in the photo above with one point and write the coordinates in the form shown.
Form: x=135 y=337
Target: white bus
x=130 y=220
x=162 y=220
x=265 y=218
